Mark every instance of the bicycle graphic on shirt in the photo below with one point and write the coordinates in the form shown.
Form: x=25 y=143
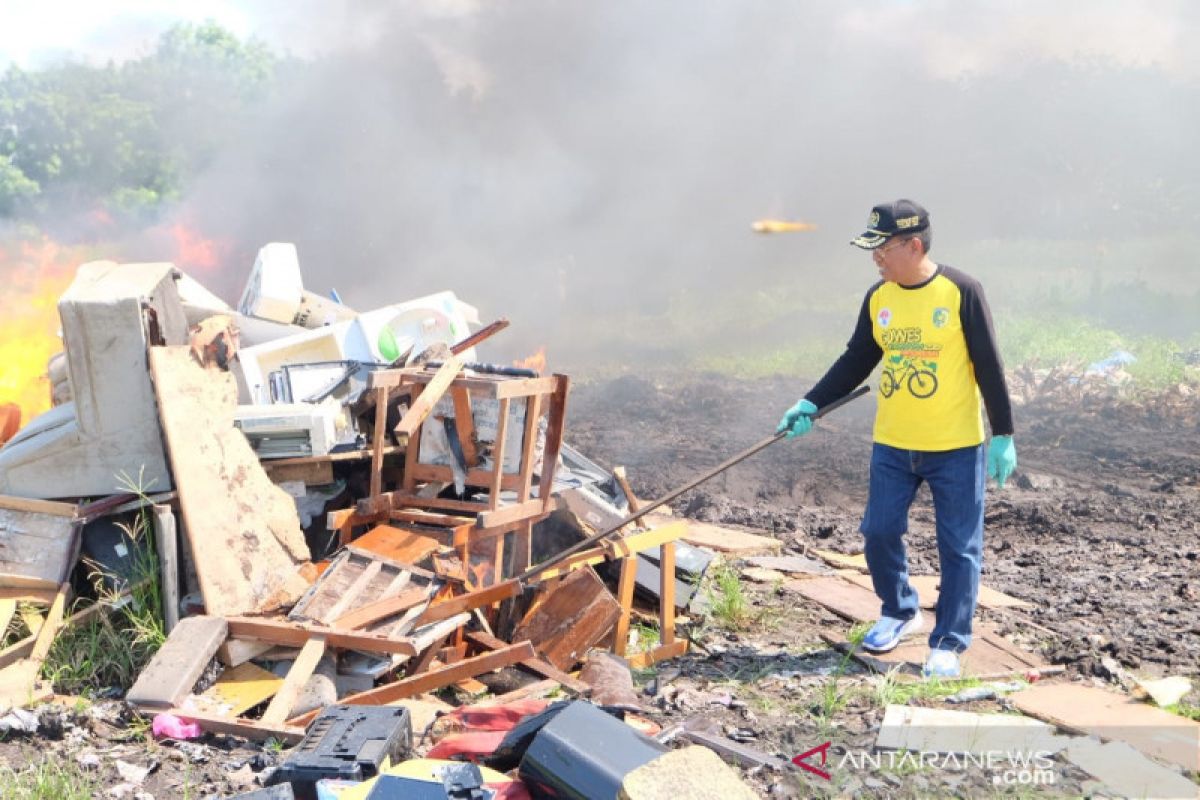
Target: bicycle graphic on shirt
x=901 y=370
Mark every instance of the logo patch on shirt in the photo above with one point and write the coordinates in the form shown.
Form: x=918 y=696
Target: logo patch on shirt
x=940 y=317
x=885 y=317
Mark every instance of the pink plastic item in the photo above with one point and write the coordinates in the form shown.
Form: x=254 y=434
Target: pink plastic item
x=172 y=727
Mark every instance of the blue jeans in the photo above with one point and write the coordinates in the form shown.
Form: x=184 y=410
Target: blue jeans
x=956 y=480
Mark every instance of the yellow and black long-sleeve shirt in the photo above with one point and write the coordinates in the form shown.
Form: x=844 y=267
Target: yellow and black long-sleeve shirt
x=939 y=355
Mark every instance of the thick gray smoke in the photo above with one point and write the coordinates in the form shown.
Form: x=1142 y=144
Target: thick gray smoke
x=568 y=163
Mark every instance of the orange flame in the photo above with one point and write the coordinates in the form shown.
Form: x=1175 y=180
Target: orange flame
x=35 y=275
x=536 y=362
x=194 y=252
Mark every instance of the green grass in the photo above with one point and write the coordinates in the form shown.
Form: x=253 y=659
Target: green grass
x=110 y=649
x=49 y=778
x=889 y=689
x=727 y=600
x=1185 y=709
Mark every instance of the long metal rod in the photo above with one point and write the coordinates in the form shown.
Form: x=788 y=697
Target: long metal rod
x=742 y=456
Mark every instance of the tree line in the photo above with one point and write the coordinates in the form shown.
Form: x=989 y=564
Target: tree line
x=122 y=140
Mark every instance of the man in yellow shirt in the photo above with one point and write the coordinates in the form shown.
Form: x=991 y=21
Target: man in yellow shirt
x=931 y=327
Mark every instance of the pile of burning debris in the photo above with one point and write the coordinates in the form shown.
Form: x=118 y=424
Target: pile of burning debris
x=345 y=511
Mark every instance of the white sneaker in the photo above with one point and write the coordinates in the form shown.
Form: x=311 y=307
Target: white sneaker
x=888 y=631
x=942 y=664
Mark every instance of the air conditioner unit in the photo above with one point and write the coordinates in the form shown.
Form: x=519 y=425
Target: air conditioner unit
x=291 y=430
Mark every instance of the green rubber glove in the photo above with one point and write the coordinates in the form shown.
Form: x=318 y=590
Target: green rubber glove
x=798 y=419
x=1001 y=458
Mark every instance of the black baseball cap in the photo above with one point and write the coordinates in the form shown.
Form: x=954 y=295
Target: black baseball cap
x=892 y=219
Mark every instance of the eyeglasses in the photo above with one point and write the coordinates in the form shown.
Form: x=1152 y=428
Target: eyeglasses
x=893 y=245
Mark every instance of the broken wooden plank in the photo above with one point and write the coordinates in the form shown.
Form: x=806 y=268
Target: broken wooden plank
x=926 y=587
x=382 y=609
x=643 y=540
x=8 y=607
x=575 y=614
x=470 y=600
x=464 y=425
x=430 y=395
x=32 y=506
x=1115 y=717
x=166 y=542
x=400 y=545
x=716 y=537
x=842 y=598
x=19 y=681
x=244 y=531
x=245 y=728
x=179 y=663
x=293 y=635
x=302 y=669
x=790 y=564
x=435 y=679
x=309 y=472
x=857 y=562
x=535 y=664
x=983 y=660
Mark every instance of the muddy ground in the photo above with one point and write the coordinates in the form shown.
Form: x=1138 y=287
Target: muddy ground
x=1100 y=527
x=1099 y=530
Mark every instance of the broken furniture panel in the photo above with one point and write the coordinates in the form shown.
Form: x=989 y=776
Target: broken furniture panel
x=573 y=616
x=358 y=579
x=504 y=479
x=37 y=543
x=243 y=530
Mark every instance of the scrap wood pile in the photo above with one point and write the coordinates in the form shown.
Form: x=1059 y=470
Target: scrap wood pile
x=347 y=510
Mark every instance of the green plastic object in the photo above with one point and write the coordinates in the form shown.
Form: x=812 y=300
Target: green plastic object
x=387 y=344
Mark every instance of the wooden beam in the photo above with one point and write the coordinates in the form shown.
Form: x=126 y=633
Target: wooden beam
x=554 y=436
x=312 y=473
x=464 y=424
x=420 y=409
x=166 y=539
x=381 y=403
x=509 y=514
x=478 y=336
x=245 y=728
x=435 y=679
x=32 y=506
x=644 y=540
x=302 y=669
x=468 y=601
x=652 y=657
x=666 y=593
x=293 y=635
x=42 y=596
x=536 y=664
x=381 y=609
x=625 y=589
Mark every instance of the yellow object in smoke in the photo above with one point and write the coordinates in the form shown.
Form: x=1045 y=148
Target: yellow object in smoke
x=779 y=226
